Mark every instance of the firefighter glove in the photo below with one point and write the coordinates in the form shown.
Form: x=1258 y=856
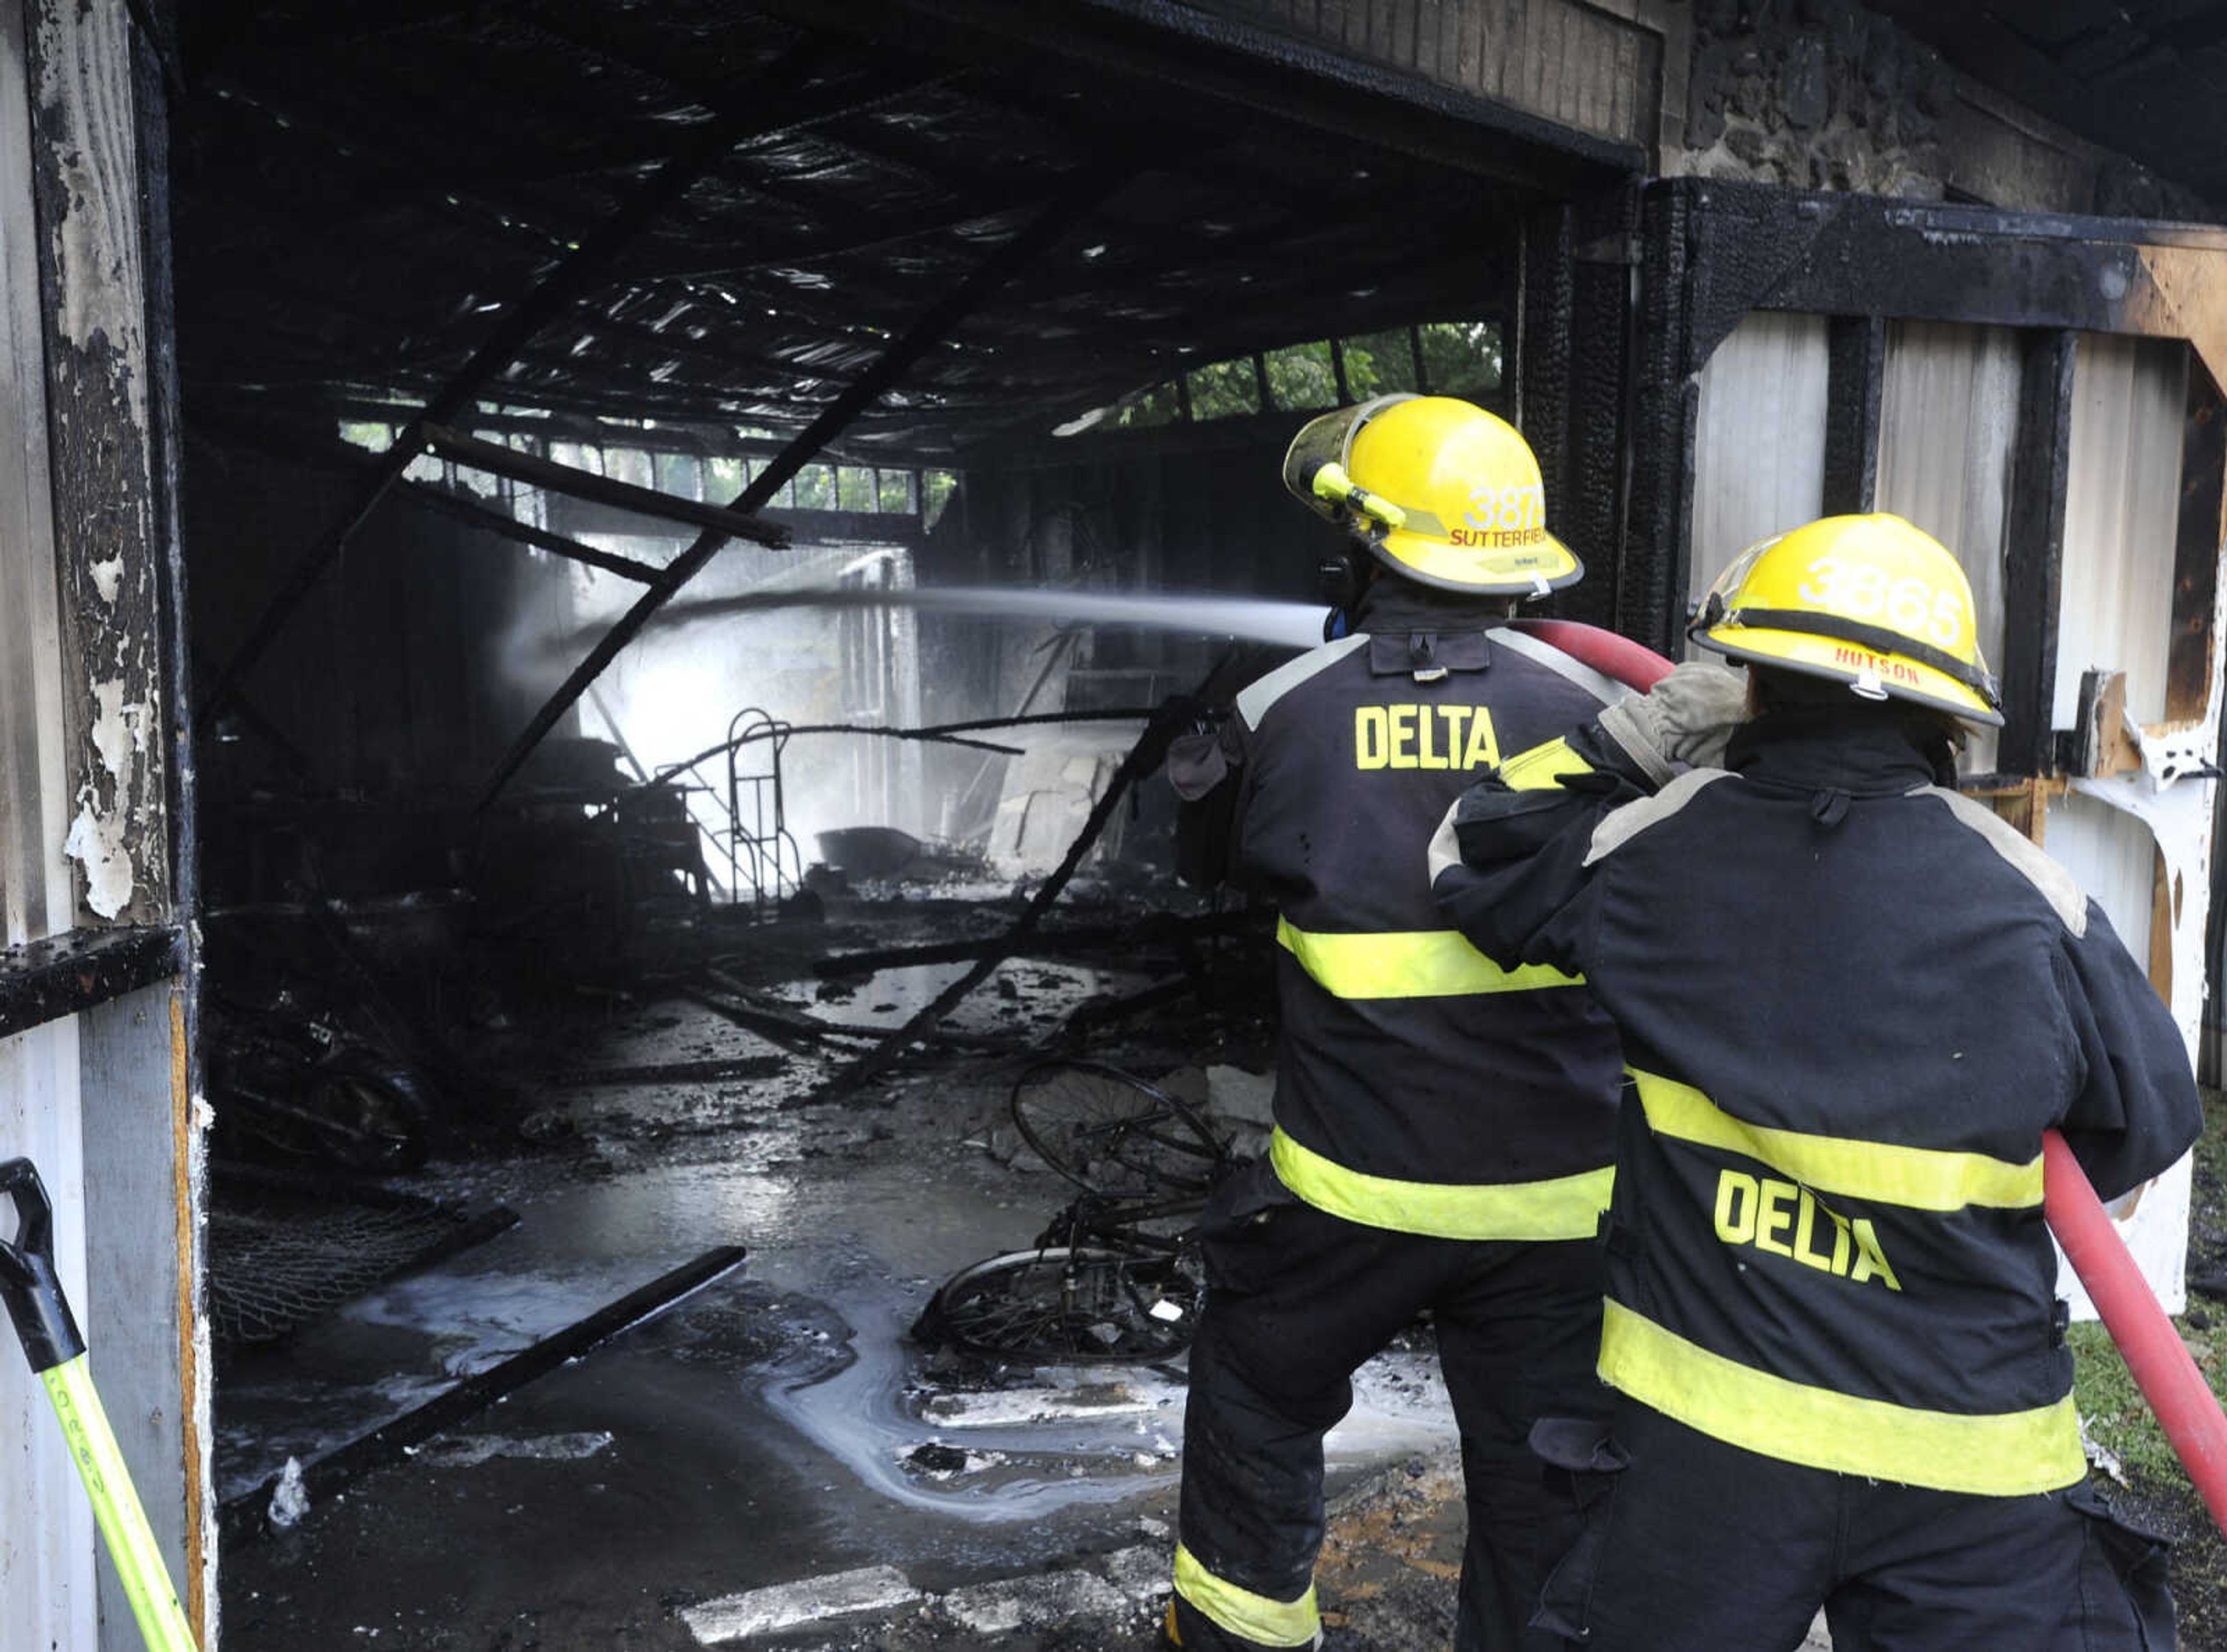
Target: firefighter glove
x=1683 y=722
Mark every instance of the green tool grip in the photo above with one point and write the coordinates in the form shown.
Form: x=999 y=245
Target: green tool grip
x=116 y=1505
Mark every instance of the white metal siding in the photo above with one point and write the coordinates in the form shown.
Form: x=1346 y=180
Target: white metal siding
x=2113 y=857
x=1948 y=417
x=2121 y=518
x=1760 y=444
x=2122 y=503
x=47 y=1578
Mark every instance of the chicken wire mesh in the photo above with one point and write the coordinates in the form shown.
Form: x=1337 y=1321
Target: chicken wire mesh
x=284 y=1252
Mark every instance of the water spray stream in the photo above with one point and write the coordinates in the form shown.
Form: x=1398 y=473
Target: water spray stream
x=1297 y=625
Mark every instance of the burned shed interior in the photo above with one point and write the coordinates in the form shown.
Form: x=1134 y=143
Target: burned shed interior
x=672 y=247
x=698 y=520
x=597 y=421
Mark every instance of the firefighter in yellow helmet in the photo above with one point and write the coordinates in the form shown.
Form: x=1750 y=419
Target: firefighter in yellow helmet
x=1441 y=493
x=1443 y=1125
x=1851 y=1002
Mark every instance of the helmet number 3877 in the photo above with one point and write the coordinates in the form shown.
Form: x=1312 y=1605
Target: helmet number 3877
x=1863 y=590
x=1514 y=509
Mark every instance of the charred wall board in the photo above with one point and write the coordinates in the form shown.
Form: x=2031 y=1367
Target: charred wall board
x=84 y=181
x=1651 y=583
x=1543 y=335
x=1592 y=519
x=1864 y=255
x=64 y=975
x=1315 y=76
x=1596 y=68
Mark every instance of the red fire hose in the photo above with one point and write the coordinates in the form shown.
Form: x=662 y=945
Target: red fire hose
x=2159 y=1361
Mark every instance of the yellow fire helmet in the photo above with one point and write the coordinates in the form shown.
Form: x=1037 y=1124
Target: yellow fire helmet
x=1869 y=601
x=1443 y=491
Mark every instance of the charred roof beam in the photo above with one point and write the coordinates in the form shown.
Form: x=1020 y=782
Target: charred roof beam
x=569 y=280
x=881 y=233
x=472 y=513
x=928 y=330
x=550 y=476
x=557 y=293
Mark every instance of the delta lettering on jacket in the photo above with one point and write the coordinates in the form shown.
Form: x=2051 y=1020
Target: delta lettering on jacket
x=1419 y=735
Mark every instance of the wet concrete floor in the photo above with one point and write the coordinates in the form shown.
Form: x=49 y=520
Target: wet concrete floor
x=767 y=1429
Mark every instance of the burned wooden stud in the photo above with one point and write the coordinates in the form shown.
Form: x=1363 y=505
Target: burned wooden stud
x=1051 y=943
x=245 y=1517
x=713 y=1070
x=552 y=478
x=1855 y=387
x=799 y=1032
x=2033 y=551
x=1144 y=758
x=2101 y=746
x=944 y=733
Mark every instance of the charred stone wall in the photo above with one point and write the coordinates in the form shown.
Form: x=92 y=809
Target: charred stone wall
x=1817 y=94
x=1825 y=94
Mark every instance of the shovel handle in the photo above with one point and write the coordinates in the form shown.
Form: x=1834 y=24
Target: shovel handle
x=28 y=1284
x=34 y=1295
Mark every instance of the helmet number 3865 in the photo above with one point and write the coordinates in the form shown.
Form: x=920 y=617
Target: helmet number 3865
x=1862 y=591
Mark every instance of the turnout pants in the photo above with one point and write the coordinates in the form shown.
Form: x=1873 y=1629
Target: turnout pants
x=1296 y=1299
x=1690 y=1545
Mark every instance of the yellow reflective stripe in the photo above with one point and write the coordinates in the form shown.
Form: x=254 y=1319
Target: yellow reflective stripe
x=1921 y=1178
x=2008 y=1454
x=1566 y=1207
x=1541 y=767
x=1409 y=964
x=1244 y=1614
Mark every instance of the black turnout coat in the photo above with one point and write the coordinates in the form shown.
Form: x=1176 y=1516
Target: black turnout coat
x=1850 y=1002
x=1419 y=1088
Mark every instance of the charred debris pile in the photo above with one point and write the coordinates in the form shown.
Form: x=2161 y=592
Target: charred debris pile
x=388 y=983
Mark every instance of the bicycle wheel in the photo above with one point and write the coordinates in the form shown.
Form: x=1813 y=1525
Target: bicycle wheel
x=1113 y=1134
x=367 y=1117
x=1067 y=1304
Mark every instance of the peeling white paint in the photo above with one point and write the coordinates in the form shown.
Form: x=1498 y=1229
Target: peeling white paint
x=100 y=247
x=97 y=838
x=108 y=579
x=2173 y=794
x=97 y=844
x=118 y=732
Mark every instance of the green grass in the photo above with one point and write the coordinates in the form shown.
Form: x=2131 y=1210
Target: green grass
x=2117 y=1416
